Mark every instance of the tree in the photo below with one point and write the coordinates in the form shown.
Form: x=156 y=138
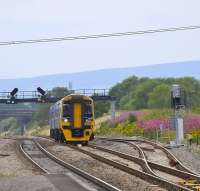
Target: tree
x=41 y=117
x=124 y=88
x=101 y=107
x=160 y=97
x=8 y=124
x=59 y=92
x=141 y=93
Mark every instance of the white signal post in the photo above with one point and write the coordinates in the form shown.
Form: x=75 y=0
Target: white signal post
x=179 y=108
x=179 y=130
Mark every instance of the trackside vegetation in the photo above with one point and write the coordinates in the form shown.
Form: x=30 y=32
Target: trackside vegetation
x=154 y=93
x=139 y=123
x=148 y=100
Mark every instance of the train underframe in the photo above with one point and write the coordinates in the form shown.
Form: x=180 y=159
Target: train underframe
x=58 y=135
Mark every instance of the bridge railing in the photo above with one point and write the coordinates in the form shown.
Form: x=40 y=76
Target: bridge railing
x=20 y=95
x=4 y=95
x=48 y=96
x=27 y=94
x=92 y=92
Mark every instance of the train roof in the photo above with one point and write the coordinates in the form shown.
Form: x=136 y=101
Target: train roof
x=73 y=97
x=76 y=96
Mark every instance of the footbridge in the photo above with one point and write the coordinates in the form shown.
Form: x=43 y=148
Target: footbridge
x=41 y=96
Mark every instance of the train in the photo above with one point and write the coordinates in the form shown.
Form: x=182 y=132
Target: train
x=72 y=119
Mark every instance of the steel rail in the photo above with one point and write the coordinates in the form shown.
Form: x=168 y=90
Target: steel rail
x=45 y=138
x=143 y=175
x=78 y=171
x=31 y=160
x=146 y=165
x=176 y=161
x=180 y=165
x=171 y=171
x=142 y=162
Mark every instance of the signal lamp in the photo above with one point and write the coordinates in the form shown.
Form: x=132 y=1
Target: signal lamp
x=41 y=91
x=178 y=97
x=14 y=92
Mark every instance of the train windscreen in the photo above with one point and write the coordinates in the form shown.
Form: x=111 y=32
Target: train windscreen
x=88 y=111
x=66 y=111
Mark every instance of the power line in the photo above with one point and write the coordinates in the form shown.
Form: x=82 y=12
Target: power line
x=95 y=36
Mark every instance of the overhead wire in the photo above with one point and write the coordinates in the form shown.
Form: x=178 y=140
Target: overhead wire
x=96 y=36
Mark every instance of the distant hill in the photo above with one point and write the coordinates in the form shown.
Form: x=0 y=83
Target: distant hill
x=103 y=78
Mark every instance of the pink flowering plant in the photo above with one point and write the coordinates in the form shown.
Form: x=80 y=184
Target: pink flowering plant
x=149 y=123
x=124 y=124
x=154 y=124
x=124 y=116
x=192 y=125
x=155 y=127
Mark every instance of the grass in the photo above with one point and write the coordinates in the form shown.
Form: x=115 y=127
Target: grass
x=156 y=113
x=39 y=131
x=121 y=129
x=129 y=128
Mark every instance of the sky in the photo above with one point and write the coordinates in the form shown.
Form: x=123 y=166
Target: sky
x=33 y=19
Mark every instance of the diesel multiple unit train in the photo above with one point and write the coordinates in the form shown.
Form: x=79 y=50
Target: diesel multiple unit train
x=72 y=119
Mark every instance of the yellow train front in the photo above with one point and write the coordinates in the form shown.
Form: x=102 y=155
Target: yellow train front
x=72 y=119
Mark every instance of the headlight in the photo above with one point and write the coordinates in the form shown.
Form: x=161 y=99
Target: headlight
x=65 y=120
x=88 y=120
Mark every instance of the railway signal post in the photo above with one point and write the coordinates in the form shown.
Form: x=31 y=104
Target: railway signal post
x=178 y=104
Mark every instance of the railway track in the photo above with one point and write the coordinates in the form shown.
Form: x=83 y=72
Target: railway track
x=177 y=163
x=50 y=164
x=139 y=173
x=152 y=166
x=114 y=176
x=189 y=178
x=151 y=172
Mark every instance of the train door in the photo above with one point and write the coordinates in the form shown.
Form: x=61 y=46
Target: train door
x=77 y=115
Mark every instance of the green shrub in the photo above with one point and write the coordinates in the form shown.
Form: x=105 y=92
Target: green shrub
x=121 y=129
x=132 y=118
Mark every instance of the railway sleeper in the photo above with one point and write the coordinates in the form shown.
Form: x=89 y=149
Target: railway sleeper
x=148 y=165
x=143 y=175
x=174 y=160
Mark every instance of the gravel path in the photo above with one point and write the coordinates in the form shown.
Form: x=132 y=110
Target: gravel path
x=158 y=156
x=187 y=158
x=152 y=154
x=114 y=158
x=120 y=147
x=11 y=161
x=145 y=146
x=52 y=182
x=105 y=172
x=168 y=177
